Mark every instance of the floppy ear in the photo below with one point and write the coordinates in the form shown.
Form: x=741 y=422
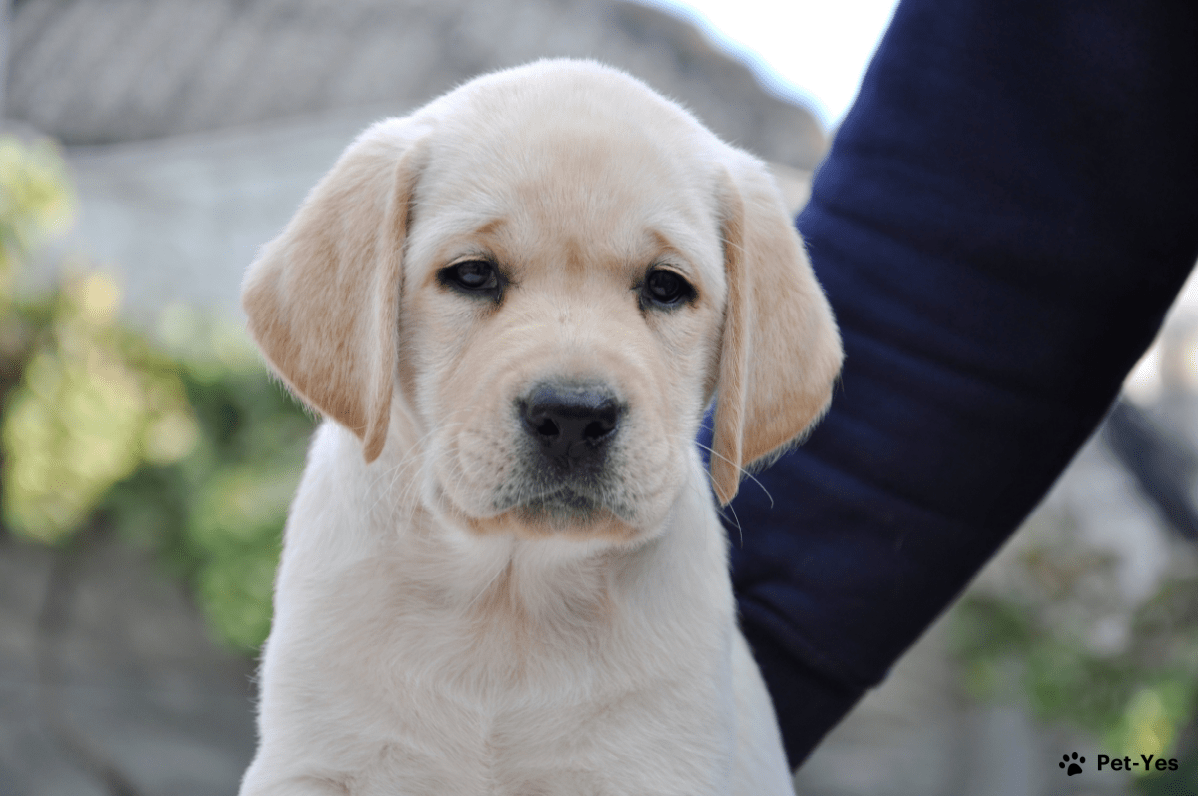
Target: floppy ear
x=323 y=297
x=780 y=352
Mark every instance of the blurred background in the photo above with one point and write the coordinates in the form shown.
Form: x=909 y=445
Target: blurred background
x=146 y=461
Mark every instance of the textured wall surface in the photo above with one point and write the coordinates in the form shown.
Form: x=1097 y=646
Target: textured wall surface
x=102 y=71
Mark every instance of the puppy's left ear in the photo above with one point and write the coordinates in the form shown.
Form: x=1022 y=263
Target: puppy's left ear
x=780 y=352
x=323 y=297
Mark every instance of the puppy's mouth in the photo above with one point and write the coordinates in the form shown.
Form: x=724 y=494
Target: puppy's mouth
x=562 y=503
x=557 y=510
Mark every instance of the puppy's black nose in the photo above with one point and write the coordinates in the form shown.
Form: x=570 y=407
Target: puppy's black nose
x=570 y=423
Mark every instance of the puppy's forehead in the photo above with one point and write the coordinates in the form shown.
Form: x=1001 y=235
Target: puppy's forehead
x=568 y=150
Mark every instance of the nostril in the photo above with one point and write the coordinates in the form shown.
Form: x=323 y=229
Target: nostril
x=539 y=417
x=597 y=430
x=547 y=428
x=606 y=416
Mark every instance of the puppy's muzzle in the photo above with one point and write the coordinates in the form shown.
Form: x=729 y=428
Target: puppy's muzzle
x=570 y=425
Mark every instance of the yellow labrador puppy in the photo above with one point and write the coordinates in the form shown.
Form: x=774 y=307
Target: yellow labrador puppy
x=503 y=572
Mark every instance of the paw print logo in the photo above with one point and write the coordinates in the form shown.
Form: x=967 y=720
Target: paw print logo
x=1072 y=761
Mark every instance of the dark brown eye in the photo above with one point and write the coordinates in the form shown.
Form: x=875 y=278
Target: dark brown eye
x=666 y=288
x=472 y=276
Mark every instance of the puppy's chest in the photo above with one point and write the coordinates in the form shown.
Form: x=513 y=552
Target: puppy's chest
x=526 y=747
x=503 y=664
x=515 y=706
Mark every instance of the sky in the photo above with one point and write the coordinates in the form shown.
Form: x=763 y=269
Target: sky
x=812 y=50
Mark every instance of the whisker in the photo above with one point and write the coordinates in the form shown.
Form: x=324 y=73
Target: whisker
x=743 y=471
x=487 y=587
x=736 y=521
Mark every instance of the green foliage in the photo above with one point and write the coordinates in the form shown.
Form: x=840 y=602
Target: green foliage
x=94 y=403
x=1034 y=644
x=216 y=515
x=34 y=200
x=180 y=441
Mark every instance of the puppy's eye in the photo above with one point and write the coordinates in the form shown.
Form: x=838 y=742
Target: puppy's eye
x=471 y=276
x=664 y=288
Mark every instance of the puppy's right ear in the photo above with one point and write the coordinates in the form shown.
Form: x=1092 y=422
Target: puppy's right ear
x=323 y=297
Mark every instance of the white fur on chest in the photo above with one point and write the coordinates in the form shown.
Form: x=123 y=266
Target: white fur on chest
x=404 y=660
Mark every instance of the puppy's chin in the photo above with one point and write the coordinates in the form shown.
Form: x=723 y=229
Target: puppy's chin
x=541 y=522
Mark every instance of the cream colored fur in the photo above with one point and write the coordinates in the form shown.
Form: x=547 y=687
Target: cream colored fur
x=432 y=634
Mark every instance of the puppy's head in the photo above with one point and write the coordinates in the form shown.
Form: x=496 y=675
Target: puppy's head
x=552 y=271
